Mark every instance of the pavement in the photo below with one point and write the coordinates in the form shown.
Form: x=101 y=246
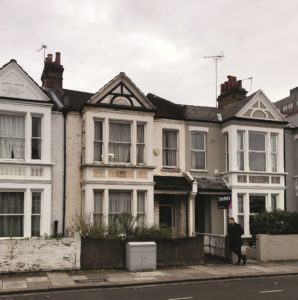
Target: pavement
x=71 y=280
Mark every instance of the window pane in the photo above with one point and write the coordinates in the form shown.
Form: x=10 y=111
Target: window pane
x=256 y=141
x=120 y=202
x=36 y=199
x=140 y=134
x=141 y=202
x=36 y=148
x=119 y=132
x=119 y=152
x=140 y=154
x=11 y=214
x=169 y=139
x=98 y=198
x=273 y=202
x=198 y=160
x=257 y=161
x=170 y=158
x=240 y=204
x=36 y=127
x=273 y=139
x=97 y=151
x=198 y=141
x=240 y=140
x=257 y=204
x=241 y=220
x=273 y=163
x=97 y=130
x=240 y=160
x=35 y=226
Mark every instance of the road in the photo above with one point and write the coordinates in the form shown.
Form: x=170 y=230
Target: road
x=285 y=287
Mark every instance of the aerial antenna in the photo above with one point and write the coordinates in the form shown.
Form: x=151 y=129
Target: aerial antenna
x=250 y=80
x=216 y=58
x=44 y=47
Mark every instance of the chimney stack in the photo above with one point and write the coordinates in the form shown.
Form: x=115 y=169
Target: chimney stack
x=52 y=73
x=231 y=92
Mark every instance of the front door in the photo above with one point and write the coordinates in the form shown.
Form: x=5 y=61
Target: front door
x=166 y=215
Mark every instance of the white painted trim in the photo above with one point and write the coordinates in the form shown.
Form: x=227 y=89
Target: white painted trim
x=198 y=128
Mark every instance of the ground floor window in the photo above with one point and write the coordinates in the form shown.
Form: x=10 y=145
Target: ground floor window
x=36 y=213
x=97 y=211
x=119 y=202
x=11 y=214
x=241 y=210
x=141 y=208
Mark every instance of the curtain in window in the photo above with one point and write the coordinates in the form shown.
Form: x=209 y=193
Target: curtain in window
x=97 y=213
x=12 y=136
x=257 y=154
x=141 y=208
x=98 y=141
x=11 y=214
x=198 y=151
x=119 y=145
x=119 y=202
x=169 y=143
x=140 y=143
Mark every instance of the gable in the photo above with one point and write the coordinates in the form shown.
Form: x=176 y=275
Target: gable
x=260 y=108
x=121 y=91
x=16 y=83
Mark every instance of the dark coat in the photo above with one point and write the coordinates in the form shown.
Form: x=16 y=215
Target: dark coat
x=234 y=235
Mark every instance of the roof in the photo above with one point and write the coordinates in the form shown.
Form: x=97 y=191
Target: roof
x=212 y=184
x=173 y=183
x=167 y=109
x=202 y=113
x=75 y=100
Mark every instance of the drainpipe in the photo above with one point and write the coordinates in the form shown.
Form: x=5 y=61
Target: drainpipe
x=64 y=171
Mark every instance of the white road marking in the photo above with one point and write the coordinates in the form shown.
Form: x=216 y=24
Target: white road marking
x=271 y=291
x=184 y=298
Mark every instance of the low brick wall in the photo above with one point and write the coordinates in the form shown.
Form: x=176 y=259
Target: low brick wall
x=38 y=254
x=106 y=254
x=277 y=247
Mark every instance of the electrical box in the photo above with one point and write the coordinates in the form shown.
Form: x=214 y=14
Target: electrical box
x=141 y=256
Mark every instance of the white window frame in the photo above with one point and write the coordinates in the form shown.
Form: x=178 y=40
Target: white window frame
x=36 y=214
x=37 y=138
x=258 y=151
x=241 y=214
x=204 y=150
x=273 y=154
x=240 y=151
x=141 y=213
x=98 y=141
x=141 y=144
x=173 y=149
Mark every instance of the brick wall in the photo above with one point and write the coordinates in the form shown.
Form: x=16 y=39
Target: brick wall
x=24 y=255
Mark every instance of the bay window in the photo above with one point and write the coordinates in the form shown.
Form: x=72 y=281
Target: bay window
x=11 y=214
x=119 y=142
x=257 y=151
x=198 y=150
x=241 y=210
x=227 y=161
x=12 y=136
x=169 y=148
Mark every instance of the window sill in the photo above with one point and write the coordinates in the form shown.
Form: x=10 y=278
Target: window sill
x=165 y=169
x=201 y=171
x=115 y=165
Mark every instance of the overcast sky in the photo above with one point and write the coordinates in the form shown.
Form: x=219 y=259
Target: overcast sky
x=159 y=44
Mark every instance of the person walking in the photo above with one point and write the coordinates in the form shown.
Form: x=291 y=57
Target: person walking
x=235 y=232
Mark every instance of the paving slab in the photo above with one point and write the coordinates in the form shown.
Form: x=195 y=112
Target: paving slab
x=60 y=279
x=262 y=269
x=150 y=274
x=14 y=285
x=78 y=277
x=37 y=279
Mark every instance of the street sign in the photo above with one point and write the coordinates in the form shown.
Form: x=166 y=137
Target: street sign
x=224 y=201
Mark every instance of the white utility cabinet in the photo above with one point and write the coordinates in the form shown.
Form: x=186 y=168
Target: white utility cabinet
x=140 y=256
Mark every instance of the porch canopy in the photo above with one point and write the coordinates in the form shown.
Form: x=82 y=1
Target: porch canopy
x=172 y=185
x=212 y=185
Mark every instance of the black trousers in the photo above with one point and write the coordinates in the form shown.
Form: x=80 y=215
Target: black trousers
x=237 y=251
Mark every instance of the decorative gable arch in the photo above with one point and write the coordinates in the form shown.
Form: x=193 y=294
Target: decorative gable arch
x=123 y=92
x=260 y=107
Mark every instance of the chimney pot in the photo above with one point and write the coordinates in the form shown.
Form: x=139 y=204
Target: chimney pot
x=58 y=58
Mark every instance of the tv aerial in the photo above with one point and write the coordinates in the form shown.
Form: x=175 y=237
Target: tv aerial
x=43 y=47
x=216 y=59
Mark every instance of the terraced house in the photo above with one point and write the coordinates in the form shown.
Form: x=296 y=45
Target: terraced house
x=118 y=150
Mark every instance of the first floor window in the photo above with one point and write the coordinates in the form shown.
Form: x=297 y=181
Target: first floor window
x=97 y=211
x=240 y=150
x=36 y=212
x=140 y=143
x=119 y=202
x=141 y=208
x=11 y=214
x=273 y=144
x=119 y=142
x=198 y=150
x=257 y=151
x=169 y=148
x=12 y=136
x=226 y=136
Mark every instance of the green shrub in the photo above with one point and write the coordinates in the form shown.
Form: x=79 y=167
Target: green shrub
x=122 y=227
x=275 y=222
